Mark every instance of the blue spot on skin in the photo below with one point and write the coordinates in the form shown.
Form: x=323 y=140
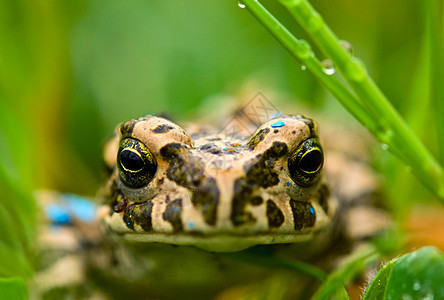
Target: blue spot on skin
x=58 y=214
x=176 y=209
x=312 y=211
x=80 y=207
x=278 y=124
x=288 y=183
x=191 y=224
x=71 y=207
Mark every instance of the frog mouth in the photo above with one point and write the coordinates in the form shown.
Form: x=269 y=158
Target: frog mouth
x=222 y=242
x=215 y=239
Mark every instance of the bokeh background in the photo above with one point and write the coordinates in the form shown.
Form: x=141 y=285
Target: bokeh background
x=70 y=71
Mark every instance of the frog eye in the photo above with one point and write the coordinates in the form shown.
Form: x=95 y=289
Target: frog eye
x=137 y=165
x=305 y=164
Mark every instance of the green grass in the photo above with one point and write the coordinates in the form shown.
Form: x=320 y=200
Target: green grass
x=435 y=44
x=69 y=73
x=368 y=104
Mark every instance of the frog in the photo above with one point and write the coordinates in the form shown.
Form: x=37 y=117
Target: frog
x=176 y=197
x=218 y=194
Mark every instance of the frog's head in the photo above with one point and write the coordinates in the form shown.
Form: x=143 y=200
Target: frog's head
x=219 y=192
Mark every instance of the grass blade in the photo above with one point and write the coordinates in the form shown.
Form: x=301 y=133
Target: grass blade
x=370 y=106
x=435 y=43
x=396 y=134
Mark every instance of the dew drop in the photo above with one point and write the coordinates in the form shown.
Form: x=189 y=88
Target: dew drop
x=303 y=67
x=416 y=285
x=241 y=5
x=384 y=146
x=347 y=46
x=387 y=136
x=328 y=67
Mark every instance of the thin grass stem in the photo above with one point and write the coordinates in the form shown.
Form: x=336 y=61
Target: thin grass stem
x=370 y=106
x=396 y=134
x=302 y=52
x=435 y=43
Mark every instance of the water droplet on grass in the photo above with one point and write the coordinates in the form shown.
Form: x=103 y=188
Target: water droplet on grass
x=347 y=46
x=384 y=146
x=303 y=67
x=328 y=67
x=240 y=4
x=387 y=136
x=416 y=285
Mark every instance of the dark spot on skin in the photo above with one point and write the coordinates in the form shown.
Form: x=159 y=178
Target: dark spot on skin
x=276 y=130
x=255 y=140
x=259 y=173
x=310 y=124
x=121 y=205
x=274 y=215
x=186 y=170
x=206 y=198
x=210 y=148
x=115 y=198
x=294 y=132
x=162 y=128
x=303 y=214
x=126 y=129
x=324 y=194
x=206 y=146
x=256 y=200
x=139 y=214
x=242 y=196
x=172 y=214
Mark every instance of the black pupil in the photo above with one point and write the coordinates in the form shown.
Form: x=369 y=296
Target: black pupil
x=131 y=160
x=311 y=161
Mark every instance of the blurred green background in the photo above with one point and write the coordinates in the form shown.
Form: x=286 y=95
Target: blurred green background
x=70 y=71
